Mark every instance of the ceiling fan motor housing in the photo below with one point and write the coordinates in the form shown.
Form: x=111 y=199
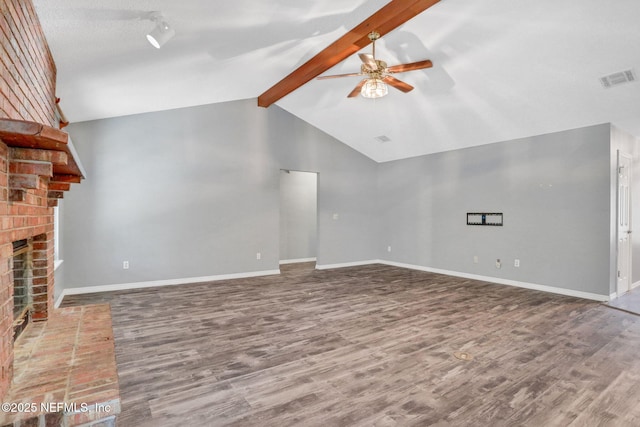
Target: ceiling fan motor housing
x=378 y=74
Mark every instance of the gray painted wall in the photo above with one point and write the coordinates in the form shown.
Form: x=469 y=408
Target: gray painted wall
x=554 y=191
x=298 y=215
x=195 y=192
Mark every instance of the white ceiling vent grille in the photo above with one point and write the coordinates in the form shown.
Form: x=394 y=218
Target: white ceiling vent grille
x=382 y=138
x=618 y=78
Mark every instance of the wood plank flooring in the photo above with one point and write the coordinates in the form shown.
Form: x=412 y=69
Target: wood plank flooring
x=370 y=346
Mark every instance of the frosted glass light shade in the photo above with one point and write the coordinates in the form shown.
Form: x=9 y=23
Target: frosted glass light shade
x=374 y=88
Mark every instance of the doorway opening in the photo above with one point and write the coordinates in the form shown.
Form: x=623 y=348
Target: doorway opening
x=298 y=217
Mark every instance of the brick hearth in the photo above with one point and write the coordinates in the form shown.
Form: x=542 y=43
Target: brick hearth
x=68 y=359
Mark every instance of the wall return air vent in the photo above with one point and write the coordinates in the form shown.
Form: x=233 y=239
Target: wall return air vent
x=618 y=78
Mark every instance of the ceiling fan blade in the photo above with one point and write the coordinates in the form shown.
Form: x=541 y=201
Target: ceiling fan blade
x=388 y=18
x=335 y=76
x=368 y=60
x=356 y=91
x=400 y=85
x=410 y=67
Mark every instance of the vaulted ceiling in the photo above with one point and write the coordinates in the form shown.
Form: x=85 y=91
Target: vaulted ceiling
x=502 y=69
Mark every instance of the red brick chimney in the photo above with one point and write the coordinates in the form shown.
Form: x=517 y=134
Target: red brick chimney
x=35 y=166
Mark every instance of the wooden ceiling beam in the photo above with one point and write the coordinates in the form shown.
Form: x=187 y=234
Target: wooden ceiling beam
x=391 y=16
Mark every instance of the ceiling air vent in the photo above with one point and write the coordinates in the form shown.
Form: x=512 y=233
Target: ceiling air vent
x=618 y=78
x=382 y=138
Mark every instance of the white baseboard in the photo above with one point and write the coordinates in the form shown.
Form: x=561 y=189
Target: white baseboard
x=154 y=283
x=635 y=285
x=297 y=260
x=59 y=300
x=534 y=286
x=347 y=264
x=613 y=296
x=508 y=282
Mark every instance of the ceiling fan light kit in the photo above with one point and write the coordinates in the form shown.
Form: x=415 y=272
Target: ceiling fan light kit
x=161 y=33
x=378 y=74
x=374 y=88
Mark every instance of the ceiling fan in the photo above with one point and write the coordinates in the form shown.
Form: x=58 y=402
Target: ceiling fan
x=378 y=74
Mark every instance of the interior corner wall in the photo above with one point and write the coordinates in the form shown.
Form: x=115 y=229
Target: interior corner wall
x=193 y=192
x=627 y=144
x=554 y=192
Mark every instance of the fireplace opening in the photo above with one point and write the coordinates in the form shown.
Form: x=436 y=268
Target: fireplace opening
x=22 y=285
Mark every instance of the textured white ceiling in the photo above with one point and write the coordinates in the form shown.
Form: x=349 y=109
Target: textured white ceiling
x=503 y=69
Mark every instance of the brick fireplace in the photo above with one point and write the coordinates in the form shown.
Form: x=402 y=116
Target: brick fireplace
x=35 y=168
x=22 y=267
x=52 y=358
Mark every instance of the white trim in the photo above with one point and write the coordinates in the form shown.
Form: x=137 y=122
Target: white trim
x=154 y=283
x=76 y=158
x=347 y=264
x=620 y=155
x=57 y=263
x=508 y=282
x=615 y=294
x=534 y=286
x=59 y=300
x=295 y=261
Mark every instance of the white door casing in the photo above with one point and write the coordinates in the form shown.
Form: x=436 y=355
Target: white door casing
x=624 y=223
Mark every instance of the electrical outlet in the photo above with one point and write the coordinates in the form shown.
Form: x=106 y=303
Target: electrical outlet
x=125 y=265
x=475 y=259
x=498 y=264
x=335 y=216
x=258 y=255
x=388 y=248
x=516 y=263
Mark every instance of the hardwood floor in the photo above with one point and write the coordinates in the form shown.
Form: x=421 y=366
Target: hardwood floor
x=370 y=346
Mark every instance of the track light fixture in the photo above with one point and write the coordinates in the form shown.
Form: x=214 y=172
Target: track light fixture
x=161 y=33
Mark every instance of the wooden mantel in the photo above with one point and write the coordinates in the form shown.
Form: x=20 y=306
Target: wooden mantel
x=39 y=152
